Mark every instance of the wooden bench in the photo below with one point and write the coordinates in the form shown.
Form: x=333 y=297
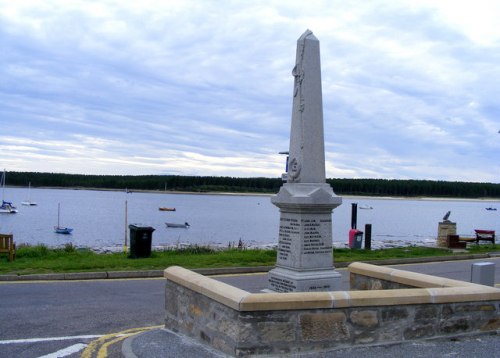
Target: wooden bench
x=485 y=235
x=7 y=246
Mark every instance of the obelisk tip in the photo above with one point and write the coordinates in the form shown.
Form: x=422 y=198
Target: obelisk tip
x=308 y=34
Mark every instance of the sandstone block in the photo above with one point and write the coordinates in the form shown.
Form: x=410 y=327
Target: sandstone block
x=276 y=332
x=325 y=326
x=454 y=325
x=426 y=313
x=394 y=314
x=364 y=318
x=419 y=331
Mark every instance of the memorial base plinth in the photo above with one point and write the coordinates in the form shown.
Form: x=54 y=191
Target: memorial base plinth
x=286 y=280
x=445 y=228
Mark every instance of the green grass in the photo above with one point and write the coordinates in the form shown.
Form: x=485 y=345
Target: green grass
x=40 y=259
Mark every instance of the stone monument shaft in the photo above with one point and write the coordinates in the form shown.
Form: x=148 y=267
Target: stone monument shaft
x=307 y=153
x=305 y=249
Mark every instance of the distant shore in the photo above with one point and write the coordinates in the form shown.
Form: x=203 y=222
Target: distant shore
x=131 y=191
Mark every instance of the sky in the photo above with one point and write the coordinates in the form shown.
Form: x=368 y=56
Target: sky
x=410 y=88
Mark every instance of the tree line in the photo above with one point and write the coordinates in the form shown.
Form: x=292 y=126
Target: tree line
x=368 y=187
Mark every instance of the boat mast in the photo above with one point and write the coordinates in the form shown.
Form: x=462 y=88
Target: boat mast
x=126 y=219
x=3 y=185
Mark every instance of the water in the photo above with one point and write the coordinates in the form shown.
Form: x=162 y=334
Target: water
x=98 y=218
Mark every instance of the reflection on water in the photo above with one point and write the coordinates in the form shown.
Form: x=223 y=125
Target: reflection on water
x=98 y=218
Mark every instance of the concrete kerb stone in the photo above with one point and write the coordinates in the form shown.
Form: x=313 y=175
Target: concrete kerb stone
x=134 y=274
x=40 y=277
x=85 y=275
x=220 y=270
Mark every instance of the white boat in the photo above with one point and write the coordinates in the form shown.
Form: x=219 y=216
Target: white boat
x=29 y=202
x=6 y=207
x=181 y=226
x=365 y=207
x=61 y=229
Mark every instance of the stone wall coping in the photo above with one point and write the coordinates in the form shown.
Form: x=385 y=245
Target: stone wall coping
x=430 y=289
x=405 y=277
x=219 y=291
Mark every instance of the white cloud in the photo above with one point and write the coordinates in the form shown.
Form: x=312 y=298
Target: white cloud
x=190 y=87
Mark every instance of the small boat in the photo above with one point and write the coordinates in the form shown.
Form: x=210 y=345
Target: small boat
x=366 y=207
x=29 y=202
x=491 y=209
x=166 y=209
x=182 y=226
x=61 y=229
x=7 y=207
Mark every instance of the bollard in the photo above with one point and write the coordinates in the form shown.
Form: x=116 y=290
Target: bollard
x=368 y=236
x=354 y=215
x=483 y=273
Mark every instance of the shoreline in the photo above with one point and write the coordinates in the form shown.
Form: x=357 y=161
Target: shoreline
x=376 y=245
x=347 y=196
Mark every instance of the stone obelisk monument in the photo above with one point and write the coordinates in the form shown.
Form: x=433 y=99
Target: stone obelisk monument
x=306 y=201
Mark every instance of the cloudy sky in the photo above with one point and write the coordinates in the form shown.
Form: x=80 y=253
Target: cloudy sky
x=410 y=88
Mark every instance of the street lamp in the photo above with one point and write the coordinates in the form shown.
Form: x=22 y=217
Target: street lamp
x=284 y=176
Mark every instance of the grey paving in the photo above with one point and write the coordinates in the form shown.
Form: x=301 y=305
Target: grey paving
x=163 y=343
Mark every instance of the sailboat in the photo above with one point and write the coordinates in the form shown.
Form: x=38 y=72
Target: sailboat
x=61 y=229
x=29 y=202
x=6 y=207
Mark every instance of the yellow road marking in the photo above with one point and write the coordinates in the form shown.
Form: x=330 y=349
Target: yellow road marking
x=103 y=351
x=105 y=341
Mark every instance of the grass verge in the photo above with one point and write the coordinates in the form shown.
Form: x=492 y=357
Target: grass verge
x=40 y=259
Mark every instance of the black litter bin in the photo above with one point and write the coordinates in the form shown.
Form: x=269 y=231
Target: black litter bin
x=358 y=240
x=355 y=239
x=140 y=241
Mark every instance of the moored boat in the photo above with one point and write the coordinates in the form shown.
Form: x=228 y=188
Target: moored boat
x=29 y=202
x=166 y=209
x=61 y=229
x=7 y=207
x=174 y=225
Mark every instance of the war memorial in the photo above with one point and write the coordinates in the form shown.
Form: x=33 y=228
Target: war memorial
x=302 y=310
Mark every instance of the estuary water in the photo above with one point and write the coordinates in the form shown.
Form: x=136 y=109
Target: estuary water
x=100 y=218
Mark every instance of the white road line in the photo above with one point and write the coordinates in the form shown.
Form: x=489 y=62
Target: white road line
x=49 y=339
x=66 y=351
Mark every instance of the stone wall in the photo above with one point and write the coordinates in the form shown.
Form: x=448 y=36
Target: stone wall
x=240 y=323
x=445 y=228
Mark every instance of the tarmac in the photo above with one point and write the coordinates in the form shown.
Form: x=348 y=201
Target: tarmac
x=160 y=342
